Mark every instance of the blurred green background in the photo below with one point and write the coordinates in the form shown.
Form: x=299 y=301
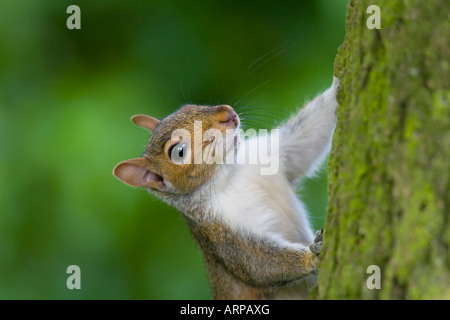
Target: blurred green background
x=66 y=97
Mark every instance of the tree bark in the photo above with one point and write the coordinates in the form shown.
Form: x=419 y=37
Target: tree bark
x=389 y=169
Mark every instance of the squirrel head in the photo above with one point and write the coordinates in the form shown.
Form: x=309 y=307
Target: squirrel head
x=184 y=150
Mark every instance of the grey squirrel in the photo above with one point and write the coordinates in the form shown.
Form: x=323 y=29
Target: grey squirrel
x=252 y=229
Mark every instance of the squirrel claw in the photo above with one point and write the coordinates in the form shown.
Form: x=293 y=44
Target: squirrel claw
x=318 y=236
x=317 y=245
x=336 y=82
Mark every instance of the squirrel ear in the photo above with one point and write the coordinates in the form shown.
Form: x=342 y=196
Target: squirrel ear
x=136 y=173
x=145 y=121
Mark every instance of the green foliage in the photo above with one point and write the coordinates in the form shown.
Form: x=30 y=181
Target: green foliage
x=66 y=97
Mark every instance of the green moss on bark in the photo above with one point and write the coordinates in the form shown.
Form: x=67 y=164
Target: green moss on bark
x=389 y=170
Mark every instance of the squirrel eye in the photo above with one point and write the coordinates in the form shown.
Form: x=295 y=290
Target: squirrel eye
x=178 y=152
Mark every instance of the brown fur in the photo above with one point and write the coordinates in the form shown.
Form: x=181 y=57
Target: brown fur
x=187 y=177
x=243 y=266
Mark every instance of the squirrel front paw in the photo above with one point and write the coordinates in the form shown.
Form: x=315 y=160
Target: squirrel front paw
x=317 y=245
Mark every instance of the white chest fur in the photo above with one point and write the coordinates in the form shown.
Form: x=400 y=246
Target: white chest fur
x=262 y=204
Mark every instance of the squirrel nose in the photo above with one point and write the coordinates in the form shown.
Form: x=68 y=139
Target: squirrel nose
x=228 y=118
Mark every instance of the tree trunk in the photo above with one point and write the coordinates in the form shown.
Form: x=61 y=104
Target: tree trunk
x=389 y=169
